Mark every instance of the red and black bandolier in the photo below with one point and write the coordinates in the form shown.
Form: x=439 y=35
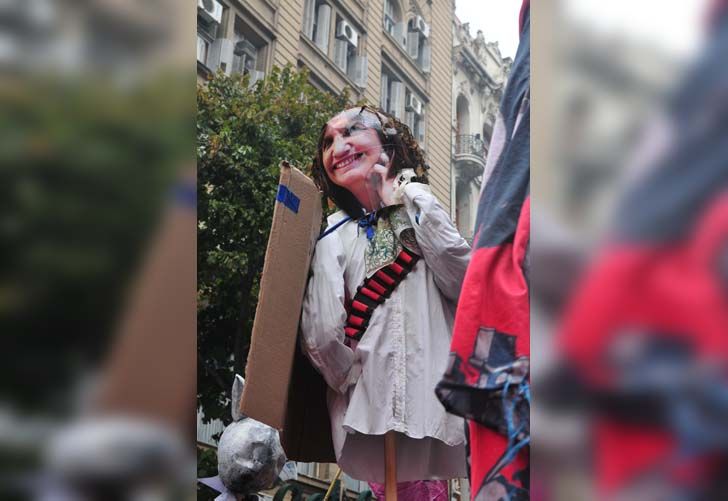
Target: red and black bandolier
x=374 y=291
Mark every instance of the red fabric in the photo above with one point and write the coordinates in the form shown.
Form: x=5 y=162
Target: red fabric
x=494 y=294
x=486 y=447
x=521 y=17
x=370 y=294
x=404 y=257
x=384 y=278
x=376 y=287
x=359 y=306
x=717 y=9
x=355 y=321
x=397 y=268
x=624 y=450
x=672 y=289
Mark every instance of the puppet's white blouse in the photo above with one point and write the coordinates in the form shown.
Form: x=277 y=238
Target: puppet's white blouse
x=387 y=380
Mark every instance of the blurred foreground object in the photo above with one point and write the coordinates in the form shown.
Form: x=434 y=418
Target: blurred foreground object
x=133 y=438
x=97 y=121
x=121 y=40
x=644 y=344
x=115 y=458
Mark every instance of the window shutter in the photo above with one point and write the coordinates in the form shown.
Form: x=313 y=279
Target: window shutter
x=421 y=131
x=341 y=48
x=358 y=70
x=384 y=92
x=309 y=11
x=413 y=44
x=427 y=57
x=323 y=24
x=409 y=119
x=400 y=34
x=396 y=100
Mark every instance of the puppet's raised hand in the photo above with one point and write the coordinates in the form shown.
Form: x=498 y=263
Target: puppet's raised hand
x=380 y=183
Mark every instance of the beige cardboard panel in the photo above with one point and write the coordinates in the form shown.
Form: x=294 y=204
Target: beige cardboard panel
x=285 y=272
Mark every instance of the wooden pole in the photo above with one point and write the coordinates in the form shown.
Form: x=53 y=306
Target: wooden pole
x=390 y=466
x=331 y=487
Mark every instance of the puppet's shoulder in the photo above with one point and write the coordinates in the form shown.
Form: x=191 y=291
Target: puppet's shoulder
x=330 y=241
x=335 y=218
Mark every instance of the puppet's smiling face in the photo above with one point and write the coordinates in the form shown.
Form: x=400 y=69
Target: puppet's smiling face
x=351 y=147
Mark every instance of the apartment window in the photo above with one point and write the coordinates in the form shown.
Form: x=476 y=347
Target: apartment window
x=249 y=51
x=319 y=17
x=418 y=43
x=404 y=103
x=392 y=16
x=209 y=17
x=317 y=22
x=392 y=94
x=245 y=58
x=347 y=46
x=243 y=52
x=203 y=45
x=414 y=115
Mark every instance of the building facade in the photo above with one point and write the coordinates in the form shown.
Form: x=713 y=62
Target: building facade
x=479 y=77
x=395 y=54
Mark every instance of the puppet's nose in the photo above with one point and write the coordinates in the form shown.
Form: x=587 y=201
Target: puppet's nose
x=340 y=147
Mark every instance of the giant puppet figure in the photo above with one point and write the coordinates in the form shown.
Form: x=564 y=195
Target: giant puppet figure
x=379 y=307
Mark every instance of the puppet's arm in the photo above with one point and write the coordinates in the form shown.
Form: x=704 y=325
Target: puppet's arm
x=445 y=251
x=324 y=316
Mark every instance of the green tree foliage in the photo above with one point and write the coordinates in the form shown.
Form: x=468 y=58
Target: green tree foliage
x=206 y=467
x=243 y=134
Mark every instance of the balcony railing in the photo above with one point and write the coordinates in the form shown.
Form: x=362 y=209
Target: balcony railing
x=470 y=144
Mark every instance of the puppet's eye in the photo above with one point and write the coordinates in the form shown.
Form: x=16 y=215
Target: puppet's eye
x=356 y=127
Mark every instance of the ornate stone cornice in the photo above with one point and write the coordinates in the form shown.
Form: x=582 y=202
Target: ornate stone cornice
x=474 y=54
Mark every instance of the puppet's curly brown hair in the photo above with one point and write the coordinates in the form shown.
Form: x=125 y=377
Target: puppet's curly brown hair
x=398 y=143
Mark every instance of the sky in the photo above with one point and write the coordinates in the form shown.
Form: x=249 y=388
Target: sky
x=497 y=18
x=674 y=26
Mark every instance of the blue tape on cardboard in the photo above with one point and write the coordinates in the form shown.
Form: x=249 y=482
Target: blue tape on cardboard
x=288 y=198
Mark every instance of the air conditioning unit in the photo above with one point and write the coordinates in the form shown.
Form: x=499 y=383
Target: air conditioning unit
x=344 y=31
x=247 y=48
x=242 y=63
x=210 y=10
x=221 y=55
x=413 y=104
x=418 y=24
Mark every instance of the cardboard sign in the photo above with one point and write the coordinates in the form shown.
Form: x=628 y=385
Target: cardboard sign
x=278 y=392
